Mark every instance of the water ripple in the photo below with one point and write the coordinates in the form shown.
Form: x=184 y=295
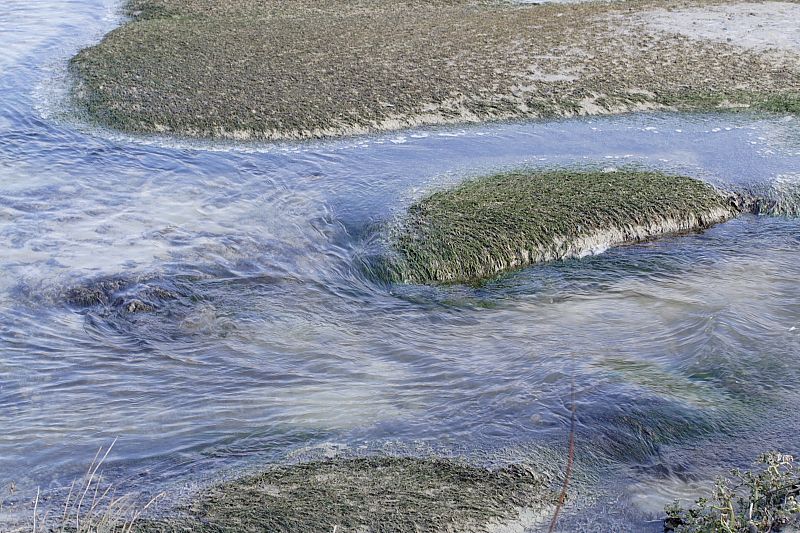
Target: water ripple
x=211 y=303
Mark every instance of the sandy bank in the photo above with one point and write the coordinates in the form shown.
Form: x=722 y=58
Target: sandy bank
x=300 y=68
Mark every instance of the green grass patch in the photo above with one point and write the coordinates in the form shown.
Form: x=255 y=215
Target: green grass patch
x=780 y=103
x=495 y=224
x=301 y=69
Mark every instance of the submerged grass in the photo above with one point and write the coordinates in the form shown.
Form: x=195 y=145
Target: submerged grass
x=780 y=198
x=388 y=494
x=499 y=223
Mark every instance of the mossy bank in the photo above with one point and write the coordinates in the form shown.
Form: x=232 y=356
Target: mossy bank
x=499 y=223
x=252 y=69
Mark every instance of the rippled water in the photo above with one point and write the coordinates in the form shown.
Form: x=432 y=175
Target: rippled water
x=267 y=337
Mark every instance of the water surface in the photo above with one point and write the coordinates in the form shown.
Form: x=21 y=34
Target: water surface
x=273 y=339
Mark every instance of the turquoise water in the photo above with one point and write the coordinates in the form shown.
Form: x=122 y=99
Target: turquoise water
x=267 y=339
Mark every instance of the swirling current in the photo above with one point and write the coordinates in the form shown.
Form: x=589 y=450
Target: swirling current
x=208 y=304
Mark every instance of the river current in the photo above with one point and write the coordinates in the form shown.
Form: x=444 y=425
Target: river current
x=268 y=338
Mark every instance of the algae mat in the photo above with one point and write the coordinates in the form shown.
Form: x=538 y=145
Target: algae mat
x=499 y=223
x=251 y=69
x=390 y=494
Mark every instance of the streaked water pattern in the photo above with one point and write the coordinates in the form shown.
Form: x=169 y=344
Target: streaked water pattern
x=273 y=338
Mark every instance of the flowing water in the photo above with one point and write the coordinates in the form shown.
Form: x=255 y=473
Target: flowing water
x=265 y=337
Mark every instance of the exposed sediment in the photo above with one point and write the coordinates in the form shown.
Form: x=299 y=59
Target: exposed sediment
x=499 y=223
x=390 y=494
x=252 y=69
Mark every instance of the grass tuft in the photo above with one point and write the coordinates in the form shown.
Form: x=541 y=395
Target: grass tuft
x=495 y=224
x=91 y=506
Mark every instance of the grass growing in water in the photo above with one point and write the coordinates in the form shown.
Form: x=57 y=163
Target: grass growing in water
x=763 y=499
x=507 y=221
x=91 y=506
x=365 y=494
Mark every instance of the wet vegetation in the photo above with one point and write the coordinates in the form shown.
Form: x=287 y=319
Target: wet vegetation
x=780 y=101
x=759 y=500
x=311 y=68
x=637 y=432
x=499 y=223
x=389 y=494
x=779 y=198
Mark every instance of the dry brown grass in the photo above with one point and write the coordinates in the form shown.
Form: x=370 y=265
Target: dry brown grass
x=92 y=505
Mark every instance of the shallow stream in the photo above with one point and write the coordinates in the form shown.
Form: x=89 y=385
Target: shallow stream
x=266 y=337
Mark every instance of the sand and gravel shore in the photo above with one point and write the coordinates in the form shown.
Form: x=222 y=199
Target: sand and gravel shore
x=293 y=69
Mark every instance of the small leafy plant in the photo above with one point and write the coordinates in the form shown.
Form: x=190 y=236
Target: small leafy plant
x=764 y=499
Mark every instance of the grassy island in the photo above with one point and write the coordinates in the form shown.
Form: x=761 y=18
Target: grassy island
x=499 y=223
x=293 y=69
